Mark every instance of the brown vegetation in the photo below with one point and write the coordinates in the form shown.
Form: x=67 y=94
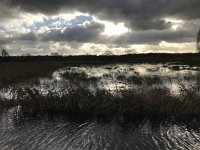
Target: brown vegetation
x=158 y=102
x=15 y=72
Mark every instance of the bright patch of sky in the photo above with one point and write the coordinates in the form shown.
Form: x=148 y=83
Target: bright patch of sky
x=176 y=23
x=1 y=29
x=113 y=28
x=58 y=23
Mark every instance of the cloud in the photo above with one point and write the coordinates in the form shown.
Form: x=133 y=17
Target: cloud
x=93 y=32
x=92 y=26
x=3 y=41
x=154 y=37
x=88 y=32
x=31 y=36
x=140 y=15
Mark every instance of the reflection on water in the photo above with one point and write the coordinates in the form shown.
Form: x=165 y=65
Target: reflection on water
x=117 y=76
x=127 y=76
x=62 y=133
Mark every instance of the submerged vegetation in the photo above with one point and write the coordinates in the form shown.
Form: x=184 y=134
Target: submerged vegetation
x=153 y=102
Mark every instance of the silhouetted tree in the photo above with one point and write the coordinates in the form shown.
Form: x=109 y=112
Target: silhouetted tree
x=4 y=53
x=198 y=41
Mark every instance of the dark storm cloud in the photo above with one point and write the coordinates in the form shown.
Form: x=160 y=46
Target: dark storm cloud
x=85 y=33
x=6 y=12
x=137 y=14
x=154 y=37
x=31 y=36
x=3 y=41
x=89 y=32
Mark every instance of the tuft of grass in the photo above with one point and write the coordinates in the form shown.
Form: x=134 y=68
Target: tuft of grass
x=139 y=80
x=155 y=102
x=78 y=76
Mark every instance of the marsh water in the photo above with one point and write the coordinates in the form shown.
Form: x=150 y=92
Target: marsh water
x=116 y=77
x=62 y=133
x=40 y=132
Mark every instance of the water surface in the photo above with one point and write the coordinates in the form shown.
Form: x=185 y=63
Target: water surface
x=63 y=134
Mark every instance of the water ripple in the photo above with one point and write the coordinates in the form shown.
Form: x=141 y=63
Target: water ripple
x=62 y=134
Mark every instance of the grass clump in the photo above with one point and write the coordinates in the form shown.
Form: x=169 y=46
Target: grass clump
x=139 y=80
x=157 y=102
x=78 y=76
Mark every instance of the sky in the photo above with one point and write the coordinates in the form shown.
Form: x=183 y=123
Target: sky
x=96 y=27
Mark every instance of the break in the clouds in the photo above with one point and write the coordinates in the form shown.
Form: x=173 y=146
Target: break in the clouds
x=74 y=27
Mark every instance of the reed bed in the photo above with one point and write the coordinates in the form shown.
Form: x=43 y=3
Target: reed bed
x=154 y=102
